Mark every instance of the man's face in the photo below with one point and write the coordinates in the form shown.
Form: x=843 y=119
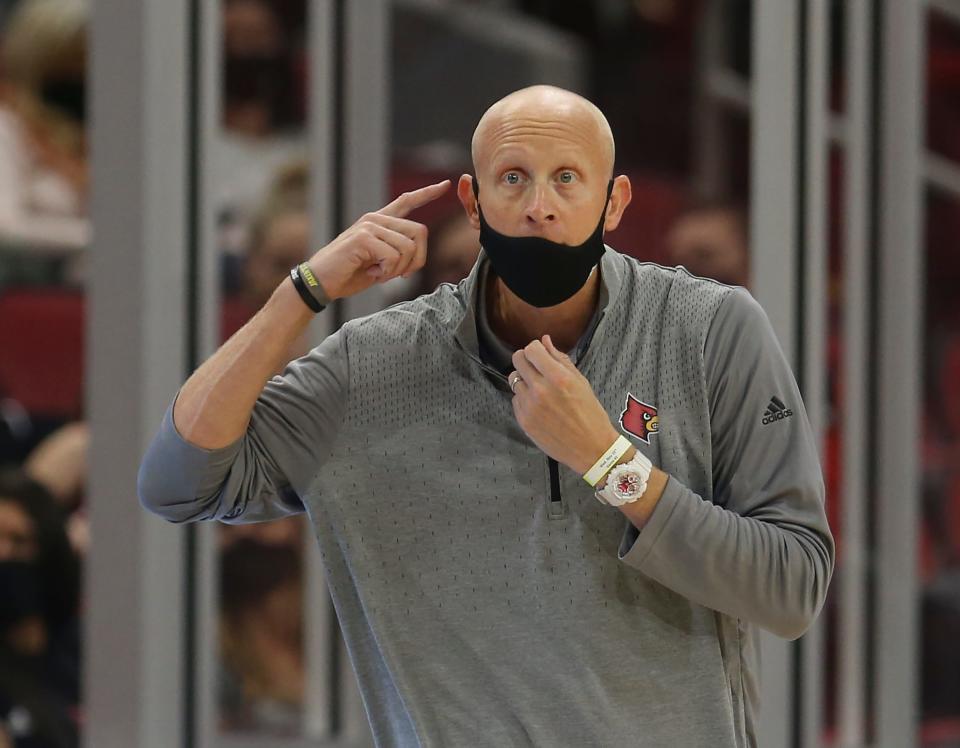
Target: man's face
x=543 y=176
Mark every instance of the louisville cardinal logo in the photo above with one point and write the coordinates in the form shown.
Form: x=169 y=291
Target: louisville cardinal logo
x=639 y=419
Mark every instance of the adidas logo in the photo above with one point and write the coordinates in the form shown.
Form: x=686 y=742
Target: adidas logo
x=776 y=411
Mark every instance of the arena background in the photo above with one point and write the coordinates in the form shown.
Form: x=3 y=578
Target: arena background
x=174 y=158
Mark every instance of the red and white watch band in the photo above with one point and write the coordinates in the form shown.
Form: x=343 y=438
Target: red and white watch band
x=626 y=482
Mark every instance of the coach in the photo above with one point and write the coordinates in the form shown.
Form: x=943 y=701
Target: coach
x=555 y=502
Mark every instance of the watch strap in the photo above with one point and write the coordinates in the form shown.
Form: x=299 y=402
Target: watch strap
x=627 y=481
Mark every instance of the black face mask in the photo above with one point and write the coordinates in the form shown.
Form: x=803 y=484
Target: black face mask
x=66 y=95
x=541 y=272
x=19 y=591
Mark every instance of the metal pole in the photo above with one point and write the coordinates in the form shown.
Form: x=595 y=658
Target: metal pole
x=899 y=371
x=773 y=238
x=133 y=679
x=852 y=566
x=814 y=306
x=367 y=126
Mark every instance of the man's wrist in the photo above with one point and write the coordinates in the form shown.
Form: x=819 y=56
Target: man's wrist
x=639 y=512
x=314 y=284
x=596 y=451
x=308 y=288
x=627 y=456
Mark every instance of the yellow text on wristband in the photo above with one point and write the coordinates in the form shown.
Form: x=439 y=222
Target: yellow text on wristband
x=313 y=285
x=308 y=275
x=609 y=458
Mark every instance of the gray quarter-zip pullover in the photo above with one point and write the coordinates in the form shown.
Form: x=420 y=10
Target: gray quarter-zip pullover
x=485 y=595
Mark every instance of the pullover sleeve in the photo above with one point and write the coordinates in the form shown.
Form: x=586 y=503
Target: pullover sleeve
x=292 y=430
x=761 y=550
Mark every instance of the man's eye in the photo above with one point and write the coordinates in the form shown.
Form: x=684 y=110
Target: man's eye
x=512 y=178
x=568 y=177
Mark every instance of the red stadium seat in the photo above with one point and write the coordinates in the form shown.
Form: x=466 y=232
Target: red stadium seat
x=41 y=350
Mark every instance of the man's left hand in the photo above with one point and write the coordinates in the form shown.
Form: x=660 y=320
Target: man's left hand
x=557 y=408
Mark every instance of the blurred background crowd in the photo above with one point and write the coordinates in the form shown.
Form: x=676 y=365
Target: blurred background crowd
x=641 y=61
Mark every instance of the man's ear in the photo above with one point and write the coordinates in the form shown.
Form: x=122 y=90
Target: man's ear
x=620 y=198
x=467 y=199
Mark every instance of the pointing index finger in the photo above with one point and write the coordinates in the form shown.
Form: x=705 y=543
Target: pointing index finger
x=414 y=199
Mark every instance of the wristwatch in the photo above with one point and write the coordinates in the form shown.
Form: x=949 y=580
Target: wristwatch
x=626 y=482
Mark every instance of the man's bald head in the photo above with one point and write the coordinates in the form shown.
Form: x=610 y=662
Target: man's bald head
x=542 y=105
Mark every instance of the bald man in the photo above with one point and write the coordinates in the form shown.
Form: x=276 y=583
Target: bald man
x=556 y=501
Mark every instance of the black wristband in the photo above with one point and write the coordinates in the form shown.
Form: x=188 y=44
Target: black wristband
x=301 y=286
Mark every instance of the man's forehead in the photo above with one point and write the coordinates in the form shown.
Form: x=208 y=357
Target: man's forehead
x=520 y=147
x=543 y=117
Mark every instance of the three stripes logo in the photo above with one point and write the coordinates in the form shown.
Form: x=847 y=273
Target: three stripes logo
x=776 y=411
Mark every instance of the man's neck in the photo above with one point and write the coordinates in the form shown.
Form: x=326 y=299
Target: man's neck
x=517 y=323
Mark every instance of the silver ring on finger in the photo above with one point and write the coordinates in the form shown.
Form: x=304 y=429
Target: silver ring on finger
x=513 y=382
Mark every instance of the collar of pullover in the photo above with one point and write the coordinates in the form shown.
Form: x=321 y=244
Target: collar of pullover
x=471 y=295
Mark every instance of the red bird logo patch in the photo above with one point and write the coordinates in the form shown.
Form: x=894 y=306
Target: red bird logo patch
x=639 y=419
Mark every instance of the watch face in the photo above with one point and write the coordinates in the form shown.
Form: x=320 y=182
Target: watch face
x=628 y=485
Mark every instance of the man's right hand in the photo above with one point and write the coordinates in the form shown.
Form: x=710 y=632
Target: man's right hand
x=214 y=405
x=378 y=247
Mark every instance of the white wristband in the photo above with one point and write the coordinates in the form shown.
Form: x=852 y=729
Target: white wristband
x=602 y=466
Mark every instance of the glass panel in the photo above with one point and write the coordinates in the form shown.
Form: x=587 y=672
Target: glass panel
x=943 y=86
x=260 y=191
x=939 y=546
x=939 y=550
x=261 y=662
x=44 y=236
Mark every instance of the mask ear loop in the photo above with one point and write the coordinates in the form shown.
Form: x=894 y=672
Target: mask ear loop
x=476 y=196
x=603 y=213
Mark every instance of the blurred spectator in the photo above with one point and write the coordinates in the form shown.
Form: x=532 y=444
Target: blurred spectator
x=452 y=252
x=940 y=531
x=286 y=532
x=278 y=239
x=6 y=8
x=43 y=158
x=711 y=241
x=453 y=246
x=39 y=639
x=279 y=236
x=941 y=454
x=642 y=73
x=59 y=464
x=257 y=83
x=261 y=638
x=262 y=120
